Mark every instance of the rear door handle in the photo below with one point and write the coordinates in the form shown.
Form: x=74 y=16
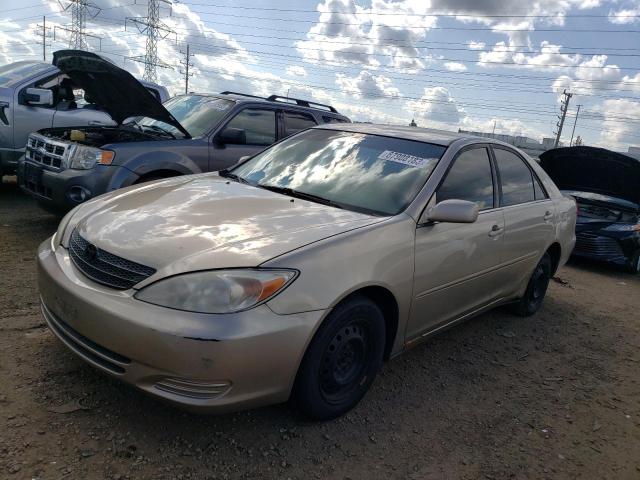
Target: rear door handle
x=495 y=230
x=548 y=215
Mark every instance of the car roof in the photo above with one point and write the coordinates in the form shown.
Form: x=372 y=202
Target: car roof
x=427 y=135
x=244 y=98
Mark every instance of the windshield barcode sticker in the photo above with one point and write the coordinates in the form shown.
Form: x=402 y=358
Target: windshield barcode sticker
x=404 y=158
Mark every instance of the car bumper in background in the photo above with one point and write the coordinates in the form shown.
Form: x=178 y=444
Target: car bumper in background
x=613 y=247
x=64 y=189
x=213 y=363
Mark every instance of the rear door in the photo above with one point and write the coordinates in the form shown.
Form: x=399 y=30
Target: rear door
x=260 y=127
x=456 y=263
x=292 y=121
x=529 y=218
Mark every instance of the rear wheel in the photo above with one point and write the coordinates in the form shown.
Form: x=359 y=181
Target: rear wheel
x=342 y=360
x=533 y=297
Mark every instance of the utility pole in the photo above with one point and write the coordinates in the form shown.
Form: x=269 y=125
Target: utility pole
x=187 y=63
x=154 y=28
x=494 y=128
x=574 y=125
x=80 y=9
x=563 y=109
x=41 y=31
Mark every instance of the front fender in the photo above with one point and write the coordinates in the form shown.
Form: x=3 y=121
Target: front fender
x=152 y=161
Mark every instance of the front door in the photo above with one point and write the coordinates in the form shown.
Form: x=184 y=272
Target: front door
x=259 y=125
x=456 y=263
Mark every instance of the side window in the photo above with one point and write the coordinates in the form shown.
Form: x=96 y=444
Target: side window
x=259 y=125
x=328 y=119
x=296 y=121
x=538 y=190
x=469 y=178
x=515 y=177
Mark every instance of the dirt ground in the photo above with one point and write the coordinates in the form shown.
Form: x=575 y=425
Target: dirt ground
x=553 y=396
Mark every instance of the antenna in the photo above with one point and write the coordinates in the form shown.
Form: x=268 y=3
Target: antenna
x=154 y=28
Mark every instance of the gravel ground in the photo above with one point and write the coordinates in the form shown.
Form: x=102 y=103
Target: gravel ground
x=553 y=396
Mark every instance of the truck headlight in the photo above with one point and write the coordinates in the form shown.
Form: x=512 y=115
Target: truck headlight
x=217 y=291
x=81 y=157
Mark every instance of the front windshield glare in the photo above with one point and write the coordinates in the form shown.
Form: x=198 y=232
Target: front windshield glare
x=198 y=114
x=370 y=173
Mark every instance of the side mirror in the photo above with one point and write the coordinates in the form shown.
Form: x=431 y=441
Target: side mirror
x=234 y=136
x=453 y=211
x=38 y=96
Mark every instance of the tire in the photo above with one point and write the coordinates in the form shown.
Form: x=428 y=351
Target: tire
x=634 y=263
x=342 y=360
x=533 y=296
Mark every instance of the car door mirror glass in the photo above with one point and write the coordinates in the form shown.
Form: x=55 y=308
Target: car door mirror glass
x=38 y=97
x=234 y=136
x=452 y=211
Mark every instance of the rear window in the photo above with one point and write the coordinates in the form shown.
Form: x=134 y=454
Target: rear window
x=328 y=119
x=296 y=121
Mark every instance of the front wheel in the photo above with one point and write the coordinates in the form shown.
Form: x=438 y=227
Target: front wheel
x=533 y=297
x=342 y=360
x=634 y=263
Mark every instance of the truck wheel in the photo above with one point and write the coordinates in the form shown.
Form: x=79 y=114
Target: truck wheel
x=342 y=360
x=533 y=297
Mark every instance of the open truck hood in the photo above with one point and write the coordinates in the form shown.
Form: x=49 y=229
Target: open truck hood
x=115 y=90
x=596 y=170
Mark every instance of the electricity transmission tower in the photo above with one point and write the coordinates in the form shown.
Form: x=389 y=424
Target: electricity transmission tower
x=80 y=9
x=43 y=31
x=187 y=64
x=563 y=110
x=155 y=29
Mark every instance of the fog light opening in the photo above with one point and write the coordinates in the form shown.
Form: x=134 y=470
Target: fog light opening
x=79 y=194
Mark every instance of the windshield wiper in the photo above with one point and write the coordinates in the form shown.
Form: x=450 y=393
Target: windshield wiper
x=302 y=195
x=233 y=176
x=156 y=128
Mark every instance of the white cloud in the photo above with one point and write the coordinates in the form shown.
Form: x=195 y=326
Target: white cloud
x=616 y=130
x=367 y=85
x=455 y=66
x=435 y=107
x=473 y=45
x=549 y=56
x=296 y=71
x=625 y=15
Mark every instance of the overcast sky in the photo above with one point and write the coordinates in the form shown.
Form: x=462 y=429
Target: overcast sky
x=446 y=63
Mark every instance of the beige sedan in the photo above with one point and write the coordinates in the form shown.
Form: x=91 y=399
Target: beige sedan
x=297 y=273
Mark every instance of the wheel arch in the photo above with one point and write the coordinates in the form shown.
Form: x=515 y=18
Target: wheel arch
x=555 y=252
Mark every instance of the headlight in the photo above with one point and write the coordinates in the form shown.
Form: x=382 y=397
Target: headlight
x=82 y=157
x=217 y=291
x=57 y=238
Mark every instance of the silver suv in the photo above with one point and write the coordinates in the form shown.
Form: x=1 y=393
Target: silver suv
x=193 y=133
x=35 y=95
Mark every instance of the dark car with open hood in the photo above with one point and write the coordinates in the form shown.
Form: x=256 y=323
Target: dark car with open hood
x=606 y=186
x=194 y=133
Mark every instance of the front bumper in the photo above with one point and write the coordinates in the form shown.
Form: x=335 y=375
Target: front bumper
x=612 y=247
x=212 y=363
x=9 y=161
x=62 y=190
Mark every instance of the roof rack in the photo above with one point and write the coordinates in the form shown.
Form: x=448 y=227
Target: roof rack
x=228 y=92
x=283 y=99
x=302 y=103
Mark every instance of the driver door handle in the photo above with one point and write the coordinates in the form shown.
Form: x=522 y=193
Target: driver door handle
x=495 y=230
x=548 y=215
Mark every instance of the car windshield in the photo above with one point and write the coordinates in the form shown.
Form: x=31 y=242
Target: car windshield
x=198 y=114
x=367 y=173
x=16 y=72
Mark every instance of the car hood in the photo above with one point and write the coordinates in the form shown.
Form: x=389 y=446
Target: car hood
x=596 y=170
x=204 y=222
x=114 y=90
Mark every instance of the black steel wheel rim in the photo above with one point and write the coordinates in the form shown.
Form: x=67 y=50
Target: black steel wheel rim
x=345 y=361
x=539 y=281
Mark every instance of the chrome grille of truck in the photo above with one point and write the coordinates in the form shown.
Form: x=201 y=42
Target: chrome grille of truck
x=45 y=151
x=104 y=267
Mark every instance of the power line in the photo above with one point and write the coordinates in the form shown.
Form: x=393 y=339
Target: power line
x=186 y=63
x=79 y=11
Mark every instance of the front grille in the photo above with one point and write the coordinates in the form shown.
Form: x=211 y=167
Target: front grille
x=597 y=246
x=104 y=267
x=45 y=151
x=88 y=349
